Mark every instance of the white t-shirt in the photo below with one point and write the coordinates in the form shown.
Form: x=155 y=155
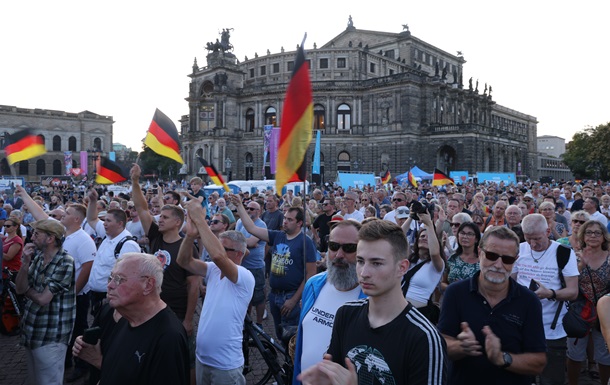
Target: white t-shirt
x=319 y=320
x=220 y=334
x=597 y=216
x=546 y=272
x=104 y=260
x=82 y=248
x=356 y=215
x=135 y=228
x=423 y=283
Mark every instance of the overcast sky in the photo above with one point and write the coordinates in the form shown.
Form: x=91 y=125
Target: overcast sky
x=123 y=58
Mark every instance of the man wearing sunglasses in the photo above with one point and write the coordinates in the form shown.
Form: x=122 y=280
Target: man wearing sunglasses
x=492 y=325
x=324 y=293
x=399 y=199
x=537 y=266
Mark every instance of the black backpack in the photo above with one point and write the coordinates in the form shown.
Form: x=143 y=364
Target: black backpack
x=563 y=256
x=119 y=246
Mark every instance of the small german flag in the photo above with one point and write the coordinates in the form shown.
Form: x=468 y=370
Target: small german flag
x=23 y=145
x=214 y=175
x=440 y=178
x=412 y=179
x=386 y=177
x=109 y=172
x=162 y=137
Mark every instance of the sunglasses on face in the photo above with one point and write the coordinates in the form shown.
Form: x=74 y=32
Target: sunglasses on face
x=506 y=259
x=215 y=222
x=397 y=200
x=347 y=247
x=455 y=224
x=578 y=221
x=251 y=208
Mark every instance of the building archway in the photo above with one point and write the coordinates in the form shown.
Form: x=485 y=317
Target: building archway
x=446 y=158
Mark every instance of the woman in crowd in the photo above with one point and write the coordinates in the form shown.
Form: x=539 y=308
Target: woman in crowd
x=365 y=201
x=558 y=230
x=452 y=241
x=478 y=205
x=465 y=262
x=12 y=246
x=578 y=219
x=593 y=280
x=370 y=212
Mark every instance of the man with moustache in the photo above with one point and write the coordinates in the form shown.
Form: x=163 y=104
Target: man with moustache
x=324 y=293
x=492 y=325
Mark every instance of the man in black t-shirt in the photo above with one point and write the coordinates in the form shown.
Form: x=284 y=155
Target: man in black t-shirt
x=321 y=224
x=381 y=339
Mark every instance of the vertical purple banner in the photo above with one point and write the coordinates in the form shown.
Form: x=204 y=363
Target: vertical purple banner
x=274 y=142
x=68 y=162
x=83 y=163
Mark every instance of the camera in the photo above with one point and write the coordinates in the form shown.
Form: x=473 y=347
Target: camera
x=421 y=208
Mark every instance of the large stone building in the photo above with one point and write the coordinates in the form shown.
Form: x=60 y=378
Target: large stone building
x=382 y=100
x=61 y=132
x=550 y=162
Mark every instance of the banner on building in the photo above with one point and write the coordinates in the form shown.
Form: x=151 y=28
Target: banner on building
x=84 y=162
x=68 y=162
x=266 y=143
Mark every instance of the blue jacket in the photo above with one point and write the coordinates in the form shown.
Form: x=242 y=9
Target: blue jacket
x=312 y=289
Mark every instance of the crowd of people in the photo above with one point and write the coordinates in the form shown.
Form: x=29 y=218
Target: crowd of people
x=406 y=285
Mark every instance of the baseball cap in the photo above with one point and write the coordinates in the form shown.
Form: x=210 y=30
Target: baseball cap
x=51 y=227
x=402 y=212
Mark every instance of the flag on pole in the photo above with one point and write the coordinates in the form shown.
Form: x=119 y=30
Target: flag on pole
x=109 y=172
x=214 y=174
x=386 y=177
x=412 y=179
x=162 y=137
x=316 y=155
x=296 y=126
x=23 y=145
x=440 y=178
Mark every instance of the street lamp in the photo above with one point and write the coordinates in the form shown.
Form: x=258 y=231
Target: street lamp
x=228 y=163
x=93 y=155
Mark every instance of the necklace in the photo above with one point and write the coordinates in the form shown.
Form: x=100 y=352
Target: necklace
x=539 y=258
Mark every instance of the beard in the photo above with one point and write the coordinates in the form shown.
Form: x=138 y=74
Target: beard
x=341 y=274
x=493 y=278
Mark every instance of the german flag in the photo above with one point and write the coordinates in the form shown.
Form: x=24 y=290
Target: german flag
x=440 y=178
x=109 y=172
x=296 y=126
x=162 y=137
x=23 y=145
x=412 y=179
x=214 y=175
x=386 y=178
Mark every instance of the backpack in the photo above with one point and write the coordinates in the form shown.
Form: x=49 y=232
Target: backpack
x=119 y=246
x=563 y=256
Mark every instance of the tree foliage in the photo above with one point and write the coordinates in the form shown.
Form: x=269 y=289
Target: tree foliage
x=588 y=155
x=152 y=163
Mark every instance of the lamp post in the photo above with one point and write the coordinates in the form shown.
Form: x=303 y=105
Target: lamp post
x=93 y=155
x=228 y=164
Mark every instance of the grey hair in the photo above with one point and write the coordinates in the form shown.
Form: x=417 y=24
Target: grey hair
x=464 y=217
x=580 y=214
x=236 y=237
x=149 y=265
x=534 y=223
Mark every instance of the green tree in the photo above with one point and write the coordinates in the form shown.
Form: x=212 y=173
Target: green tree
x=152 y=163
x=587 y=154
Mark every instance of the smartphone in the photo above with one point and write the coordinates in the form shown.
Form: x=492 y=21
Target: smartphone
x=534 y=285
x=92 y=335
x=155 y=191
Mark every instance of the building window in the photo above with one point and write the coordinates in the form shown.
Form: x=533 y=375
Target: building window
x=372 y=67
x=343 y=161
x=97 y=144
x=344 y=115
x=391 y=72
x=341 y=62
x=324 y=63
x=319 y=117
x=56 y=143
x=40 y=167
x=250 y=120
x=72 y=144
x=271 y=116
x=263 y=70
x=389 y=53
x=290 y=66
x=42 y=138
x=251 y=72
x=57 y=167
x=24 y=167
x=308 y=61
x=276 y=68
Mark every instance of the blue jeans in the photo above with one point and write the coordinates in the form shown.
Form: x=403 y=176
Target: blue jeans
x=281 y=322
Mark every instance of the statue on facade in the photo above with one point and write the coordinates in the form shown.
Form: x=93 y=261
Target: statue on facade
x=445 y=72
x=350 y=22
x=476 y=88
x=485 y=90
x=405 y=27
x=455 y=76
x=470 y=84
x=223 y=45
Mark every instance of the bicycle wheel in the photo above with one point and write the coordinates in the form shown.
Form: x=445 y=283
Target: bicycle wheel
x=258 y=372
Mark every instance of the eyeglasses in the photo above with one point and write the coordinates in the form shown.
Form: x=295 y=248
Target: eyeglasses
x=595 y=234
x=454 y=224
x=578 y=221
x=230 y=249
x=397 y=200
x=325 y=204
x=9 y=225
x=506 y=259
x=215 y=221
x=167 y=198
x=527 y=200
x=251 y=208
x=467 y=235
x=347 y=247
x=118 y=280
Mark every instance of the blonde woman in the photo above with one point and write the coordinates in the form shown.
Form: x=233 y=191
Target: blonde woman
x=558 y=230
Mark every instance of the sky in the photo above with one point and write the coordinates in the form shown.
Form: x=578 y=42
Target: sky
x=548 y=59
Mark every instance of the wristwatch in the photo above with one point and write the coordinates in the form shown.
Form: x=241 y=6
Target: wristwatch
x=508 y=360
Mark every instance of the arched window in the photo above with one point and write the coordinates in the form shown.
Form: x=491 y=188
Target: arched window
x=57 y=167
x=249 y=166
x=97 y=144
x=344 y=117
x=24 y=167
x=319 y=121
x=72 y=144
x=56 y=143
x=40 y=167
x=343 y=161
x=42 y=138
x=250 y=120
x=271 y=116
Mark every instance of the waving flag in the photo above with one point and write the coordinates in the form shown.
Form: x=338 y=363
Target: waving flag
x=440 y=178
x=386 y=177
x=23 y=145
x=296 y=126
x=162 y=137
x=109 y=172
x=214 y=174
x=412 y=179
